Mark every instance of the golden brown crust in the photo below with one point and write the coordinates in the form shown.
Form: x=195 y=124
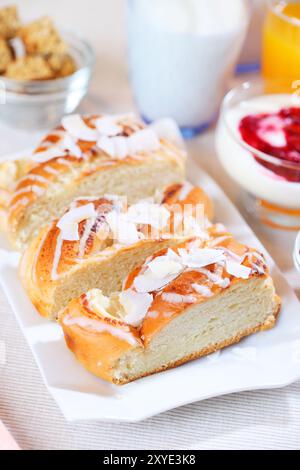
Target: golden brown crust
x=89 y=345
x=195 y=195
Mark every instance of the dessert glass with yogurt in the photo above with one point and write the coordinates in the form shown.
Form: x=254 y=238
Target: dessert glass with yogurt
x=182 y=54
x=258 y=144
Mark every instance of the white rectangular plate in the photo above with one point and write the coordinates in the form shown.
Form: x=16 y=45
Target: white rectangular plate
x=265 y=360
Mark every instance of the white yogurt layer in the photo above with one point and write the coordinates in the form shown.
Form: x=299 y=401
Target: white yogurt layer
x=240 y=163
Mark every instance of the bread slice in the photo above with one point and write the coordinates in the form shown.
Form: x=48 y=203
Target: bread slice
x=168 y=314
x=84 y=249
x=91 y=156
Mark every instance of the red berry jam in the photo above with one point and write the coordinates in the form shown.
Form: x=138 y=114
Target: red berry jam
x=278 y=135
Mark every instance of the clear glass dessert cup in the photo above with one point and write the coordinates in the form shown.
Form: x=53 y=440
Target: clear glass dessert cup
x=271 y=184
x=40 y=104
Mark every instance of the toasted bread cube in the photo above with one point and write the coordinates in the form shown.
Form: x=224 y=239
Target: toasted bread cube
x=9 y=22
x=29 y=68
x=61 y=64
x=41 y=37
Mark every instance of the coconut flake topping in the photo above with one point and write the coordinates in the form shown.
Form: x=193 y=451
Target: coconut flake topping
x=120 y=147
x=77 y=128
x=136 y=306
x=98 y=302
x=68 y=224
x=107 y=135
x=162 y=270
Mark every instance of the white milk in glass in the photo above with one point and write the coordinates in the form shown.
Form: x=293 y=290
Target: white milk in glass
x=182 y=54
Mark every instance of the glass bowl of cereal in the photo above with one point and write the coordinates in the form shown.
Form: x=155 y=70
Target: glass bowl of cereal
x=44 y=74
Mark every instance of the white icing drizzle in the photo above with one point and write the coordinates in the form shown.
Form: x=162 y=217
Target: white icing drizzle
x=101 y=327
x=85 y=236
x=43 y=156
x=215 y=278
x=174 y=298
x=34 y=177
x=152 y=314
x=20 y=202
x=185 y=191
x=65 y=161
x=233 y=255
x=219 y=240
x=56 y=258
x=168 y=314
x=27 y=189
x=37 y=255
x=69 y=144
x=202 y=289
x=220 y=228
x=51 y=170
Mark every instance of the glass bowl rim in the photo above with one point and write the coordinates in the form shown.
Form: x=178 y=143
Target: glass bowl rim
x=274 y=5
x=13 y=85
x=258 y=153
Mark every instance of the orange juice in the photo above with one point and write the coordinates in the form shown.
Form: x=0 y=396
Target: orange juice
x=281 y=42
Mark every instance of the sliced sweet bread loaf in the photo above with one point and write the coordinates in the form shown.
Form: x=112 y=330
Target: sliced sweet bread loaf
x=182 y=303
x=91 y=156
x=99 y=240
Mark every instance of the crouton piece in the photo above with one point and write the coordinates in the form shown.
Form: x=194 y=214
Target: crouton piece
x=61 y=64
x=29 y=68
x=41 y=37
x=9 y=22
x=6 y=56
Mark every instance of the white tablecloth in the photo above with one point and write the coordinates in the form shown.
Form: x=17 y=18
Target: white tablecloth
x=250 y=420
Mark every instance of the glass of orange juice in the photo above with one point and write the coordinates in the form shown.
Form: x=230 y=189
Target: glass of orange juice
x=281 y=42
